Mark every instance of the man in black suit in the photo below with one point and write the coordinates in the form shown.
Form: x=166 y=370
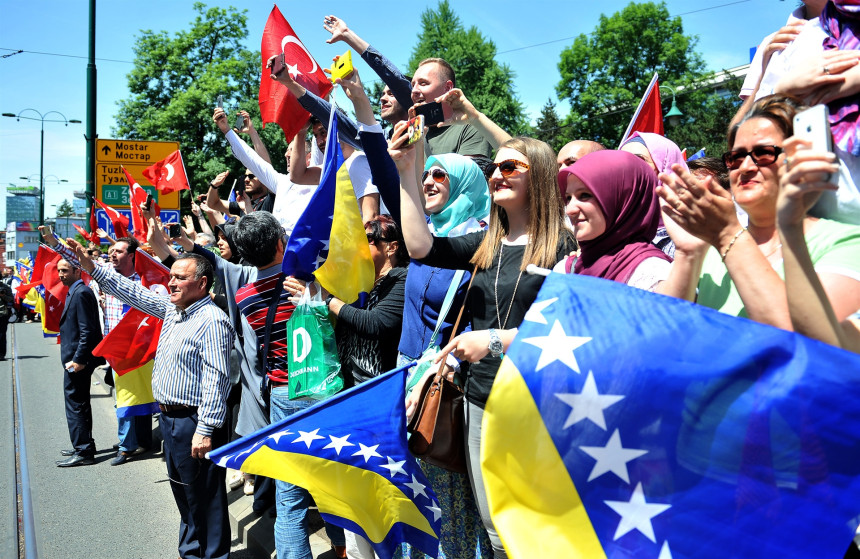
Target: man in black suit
x=80 y=332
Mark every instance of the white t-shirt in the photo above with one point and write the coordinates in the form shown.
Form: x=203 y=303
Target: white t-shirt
x=361 y=178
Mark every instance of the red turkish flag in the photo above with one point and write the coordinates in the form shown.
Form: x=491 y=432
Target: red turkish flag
x=119 y=221
x=277 y=104
x=85 y=234
x=55 y=295
x=151 y=271
x=44 y=255
x=94 y=224
x=137 y=196
x=649 y=114
x=168 y=175
x=132 y=342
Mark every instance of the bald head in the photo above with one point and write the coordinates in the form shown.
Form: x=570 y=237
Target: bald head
x=573 y=151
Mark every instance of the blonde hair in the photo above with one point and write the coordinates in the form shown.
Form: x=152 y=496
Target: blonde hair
x=546 y=221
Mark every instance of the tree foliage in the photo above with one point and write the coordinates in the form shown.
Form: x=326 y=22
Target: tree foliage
x=174 y=85
x=488 y=84
x=549 y=127
x=604 y=74
x=708 y=120
x=65 y=209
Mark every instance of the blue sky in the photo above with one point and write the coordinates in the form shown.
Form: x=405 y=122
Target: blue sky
x=48 y=82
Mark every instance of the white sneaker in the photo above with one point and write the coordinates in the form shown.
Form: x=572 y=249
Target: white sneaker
x=236 y=480
x=249 y=486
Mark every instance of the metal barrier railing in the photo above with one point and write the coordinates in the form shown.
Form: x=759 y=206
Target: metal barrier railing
x=27 y=522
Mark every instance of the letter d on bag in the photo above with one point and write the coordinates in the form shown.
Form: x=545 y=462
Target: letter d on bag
x=303 y=348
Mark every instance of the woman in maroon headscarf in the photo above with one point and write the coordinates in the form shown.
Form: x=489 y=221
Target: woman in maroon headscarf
x=609 y=198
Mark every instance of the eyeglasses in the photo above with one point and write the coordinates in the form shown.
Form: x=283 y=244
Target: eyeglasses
x=250 y=176
x=761 y=156
x=439 y=175
x=507 y=167
x=372 y=239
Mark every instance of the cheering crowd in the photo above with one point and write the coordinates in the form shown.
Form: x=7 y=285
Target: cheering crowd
x=767 y=231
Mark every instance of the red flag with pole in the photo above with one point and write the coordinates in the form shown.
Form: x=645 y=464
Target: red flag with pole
x=137 y=196
x=168 y=175
x=649 y=114
x=277 y=104
x=119 y=221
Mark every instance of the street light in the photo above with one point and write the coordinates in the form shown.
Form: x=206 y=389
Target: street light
x=674 y=115
x=43 y=120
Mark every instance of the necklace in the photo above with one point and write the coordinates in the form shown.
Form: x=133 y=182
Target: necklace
x=496 y=289
x=774 y=251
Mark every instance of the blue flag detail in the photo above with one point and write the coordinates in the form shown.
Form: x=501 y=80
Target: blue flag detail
x=698 y=155
x=309 y=241
x=350 y=453
x=686 y=433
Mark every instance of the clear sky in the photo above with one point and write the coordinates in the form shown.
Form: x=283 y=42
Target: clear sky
x=529 y=36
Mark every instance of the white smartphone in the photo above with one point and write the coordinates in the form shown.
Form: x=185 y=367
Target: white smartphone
x=813 y=125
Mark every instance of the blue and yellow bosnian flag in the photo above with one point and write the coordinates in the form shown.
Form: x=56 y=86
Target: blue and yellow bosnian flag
x=628 y=424
x=350 y=453
x=329 y=240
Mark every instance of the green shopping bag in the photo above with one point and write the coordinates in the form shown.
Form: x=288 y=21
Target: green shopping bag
x=313 y=365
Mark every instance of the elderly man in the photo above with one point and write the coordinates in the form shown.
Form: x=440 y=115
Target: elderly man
x=190 y=382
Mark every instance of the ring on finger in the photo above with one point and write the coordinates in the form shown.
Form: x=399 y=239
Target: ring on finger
x=826 y=70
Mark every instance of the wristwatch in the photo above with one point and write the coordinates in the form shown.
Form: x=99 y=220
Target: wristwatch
x=496 y=347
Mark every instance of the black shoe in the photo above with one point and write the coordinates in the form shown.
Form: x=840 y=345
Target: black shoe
x=115 y=446
x=121 y=458
x=76 y=460
x=70 y=452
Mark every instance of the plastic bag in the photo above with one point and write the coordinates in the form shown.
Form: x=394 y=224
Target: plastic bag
x=313 y=363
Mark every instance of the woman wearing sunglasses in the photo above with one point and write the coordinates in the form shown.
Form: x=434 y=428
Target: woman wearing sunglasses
x=527 y=226
x=741 y=272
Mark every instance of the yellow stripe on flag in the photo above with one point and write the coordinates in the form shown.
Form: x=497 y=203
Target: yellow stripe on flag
x=356 y=494
x=134 y=387
x=348 y=270
x=534 y=504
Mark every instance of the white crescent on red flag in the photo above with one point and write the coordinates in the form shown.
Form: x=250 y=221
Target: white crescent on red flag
x=277 y=104
x=168 y=175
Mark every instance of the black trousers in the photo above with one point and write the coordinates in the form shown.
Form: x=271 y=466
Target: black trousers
x=4 y=326
x=79 y=413
x=199 y=489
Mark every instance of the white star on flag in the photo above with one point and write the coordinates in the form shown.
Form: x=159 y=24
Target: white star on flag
x=437 y=512
x=589 y=404
x=612 y=458
x=337 y=443
x=368 y=452
x=293 y=69
x=277 y=436
x=557 y=346
x=665 y=553
x=535 y=312
x=416 y=487
x=636 y=514
x=394 y=467
x=143 y=323
x=308 y=437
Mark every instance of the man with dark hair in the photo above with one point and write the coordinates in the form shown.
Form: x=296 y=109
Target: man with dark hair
x=80 y=332
x=134 y=432
x=190 y=382
x=710 y=167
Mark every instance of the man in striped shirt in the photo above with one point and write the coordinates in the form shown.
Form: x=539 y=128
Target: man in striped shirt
x=190 y=382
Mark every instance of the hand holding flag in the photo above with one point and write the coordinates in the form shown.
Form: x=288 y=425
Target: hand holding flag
x=168 y=175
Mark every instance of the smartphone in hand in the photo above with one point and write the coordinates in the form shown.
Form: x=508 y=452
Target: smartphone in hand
x=415 y=127
x=240 y=122
x=342 y=67
x=278 y=65
x=174 y=230
x=219 y=102
x=813 y=125
x=148 y=204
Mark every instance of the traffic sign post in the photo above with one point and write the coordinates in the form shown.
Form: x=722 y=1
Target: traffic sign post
x=135 y=156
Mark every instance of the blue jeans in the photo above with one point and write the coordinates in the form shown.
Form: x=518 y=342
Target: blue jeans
x=291 y=501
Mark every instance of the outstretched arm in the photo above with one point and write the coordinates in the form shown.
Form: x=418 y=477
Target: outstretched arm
x=464 y=112
x=249 y=129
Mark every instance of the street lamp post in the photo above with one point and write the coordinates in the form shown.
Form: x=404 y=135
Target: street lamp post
x=674 y=115
x=43 y=120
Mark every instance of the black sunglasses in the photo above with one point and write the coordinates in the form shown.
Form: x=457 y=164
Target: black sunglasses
x=439 y=175
x=761 y=156
x=250 y=176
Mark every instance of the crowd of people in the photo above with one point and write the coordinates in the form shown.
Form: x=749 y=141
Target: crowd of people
x=768 y=232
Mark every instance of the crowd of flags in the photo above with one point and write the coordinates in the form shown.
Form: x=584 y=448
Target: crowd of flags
x=621 y=424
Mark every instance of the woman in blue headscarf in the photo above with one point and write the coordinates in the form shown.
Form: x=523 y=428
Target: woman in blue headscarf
x=457 y=201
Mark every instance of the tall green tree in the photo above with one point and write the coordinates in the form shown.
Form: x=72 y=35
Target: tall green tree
x=176 y=81
x=64 y=209
x=488 y=84
x=605 y=73
x=549 y=127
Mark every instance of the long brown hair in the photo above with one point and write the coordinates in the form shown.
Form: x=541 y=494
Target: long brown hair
x=546 y=222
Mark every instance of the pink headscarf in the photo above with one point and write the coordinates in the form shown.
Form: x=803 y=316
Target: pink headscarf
x=624 y=187
x=664 y=152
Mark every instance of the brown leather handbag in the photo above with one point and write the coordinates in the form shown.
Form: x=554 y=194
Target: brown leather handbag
x=437 y=428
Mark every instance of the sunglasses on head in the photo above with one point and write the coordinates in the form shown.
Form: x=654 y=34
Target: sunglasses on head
x=761 y=156
x=439 y=175
x=507 y=167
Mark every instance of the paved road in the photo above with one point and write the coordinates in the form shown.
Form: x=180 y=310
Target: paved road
x=88 y=512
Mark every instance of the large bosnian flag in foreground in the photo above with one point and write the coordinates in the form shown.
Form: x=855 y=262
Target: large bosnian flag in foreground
x=627 y=424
